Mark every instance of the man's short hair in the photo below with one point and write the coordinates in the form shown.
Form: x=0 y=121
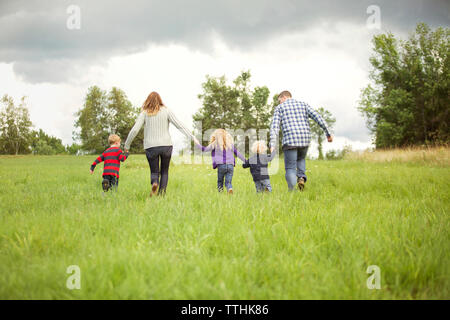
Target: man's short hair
x=286 y=94
x=113 y=139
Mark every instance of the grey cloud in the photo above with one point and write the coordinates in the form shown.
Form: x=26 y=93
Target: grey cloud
x=58 y=70
x=353 y=131
x=34 y=35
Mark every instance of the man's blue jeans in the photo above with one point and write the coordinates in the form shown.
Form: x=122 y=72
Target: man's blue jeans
x=224 y=171
x=294 y=165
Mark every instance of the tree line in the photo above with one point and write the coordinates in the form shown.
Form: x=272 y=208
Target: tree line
x=233 y=107
x=17 y=135
x=101 y=115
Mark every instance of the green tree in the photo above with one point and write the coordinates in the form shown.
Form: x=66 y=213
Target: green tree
x=42 y=143
x=15 y=127
x=120 y=118
x=234 y=106
x=103 y=114
x=317 y=132
x=92 y=121
x=407 y=102
x=220 y=104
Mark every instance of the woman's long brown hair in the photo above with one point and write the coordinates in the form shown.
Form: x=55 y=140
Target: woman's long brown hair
x=153 y=103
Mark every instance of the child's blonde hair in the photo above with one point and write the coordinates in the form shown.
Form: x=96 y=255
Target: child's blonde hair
x=221 y=139
x=259 y=146
x=113 y=139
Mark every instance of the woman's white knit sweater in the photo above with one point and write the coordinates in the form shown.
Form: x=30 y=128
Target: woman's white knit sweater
x=156 y=129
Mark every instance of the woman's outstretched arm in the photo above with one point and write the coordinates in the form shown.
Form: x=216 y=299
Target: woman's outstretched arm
x=135 y=130
x=179 y=125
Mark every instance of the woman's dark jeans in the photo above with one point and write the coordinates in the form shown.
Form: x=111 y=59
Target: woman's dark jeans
x=159 y=170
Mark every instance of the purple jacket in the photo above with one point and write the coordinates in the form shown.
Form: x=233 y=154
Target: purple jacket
x=222 y=156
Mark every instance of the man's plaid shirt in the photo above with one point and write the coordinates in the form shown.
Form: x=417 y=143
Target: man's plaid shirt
x=293 y=116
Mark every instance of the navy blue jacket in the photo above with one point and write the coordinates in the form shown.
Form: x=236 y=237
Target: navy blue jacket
x=258 y=166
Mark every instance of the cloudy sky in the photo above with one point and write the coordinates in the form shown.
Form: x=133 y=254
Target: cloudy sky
x=318 y=50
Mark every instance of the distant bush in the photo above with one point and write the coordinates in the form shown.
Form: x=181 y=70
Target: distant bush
x=74 y=149
x=43 y=148
x=44 y=144
x=338 y=154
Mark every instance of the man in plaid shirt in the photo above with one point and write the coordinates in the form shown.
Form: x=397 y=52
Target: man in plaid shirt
x=293 y=116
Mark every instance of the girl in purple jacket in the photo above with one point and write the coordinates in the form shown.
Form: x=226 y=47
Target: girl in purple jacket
x=222 y=153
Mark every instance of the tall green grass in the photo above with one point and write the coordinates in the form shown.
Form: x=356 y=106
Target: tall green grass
x=197 y=244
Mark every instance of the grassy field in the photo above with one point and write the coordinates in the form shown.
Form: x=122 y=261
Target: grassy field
x=198 y=244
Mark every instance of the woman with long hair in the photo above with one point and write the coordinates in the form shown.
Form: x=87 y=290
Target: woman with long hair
x=155 y=118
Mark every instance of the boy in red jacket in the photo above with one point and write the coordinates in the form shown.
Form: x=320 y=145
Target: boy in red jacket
x=112 y=158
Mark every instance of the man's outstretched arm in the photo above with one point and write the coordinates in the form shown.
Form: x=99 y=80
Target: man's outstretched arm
x=313 y=114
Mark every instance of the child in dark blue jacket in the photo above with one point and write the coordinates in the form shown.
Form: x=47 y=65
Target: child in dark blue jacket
x=258 y=164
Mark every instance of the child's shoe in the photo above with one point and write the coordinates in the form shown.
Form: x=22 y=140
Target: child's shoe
x=230 y=191
x=106 y=185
